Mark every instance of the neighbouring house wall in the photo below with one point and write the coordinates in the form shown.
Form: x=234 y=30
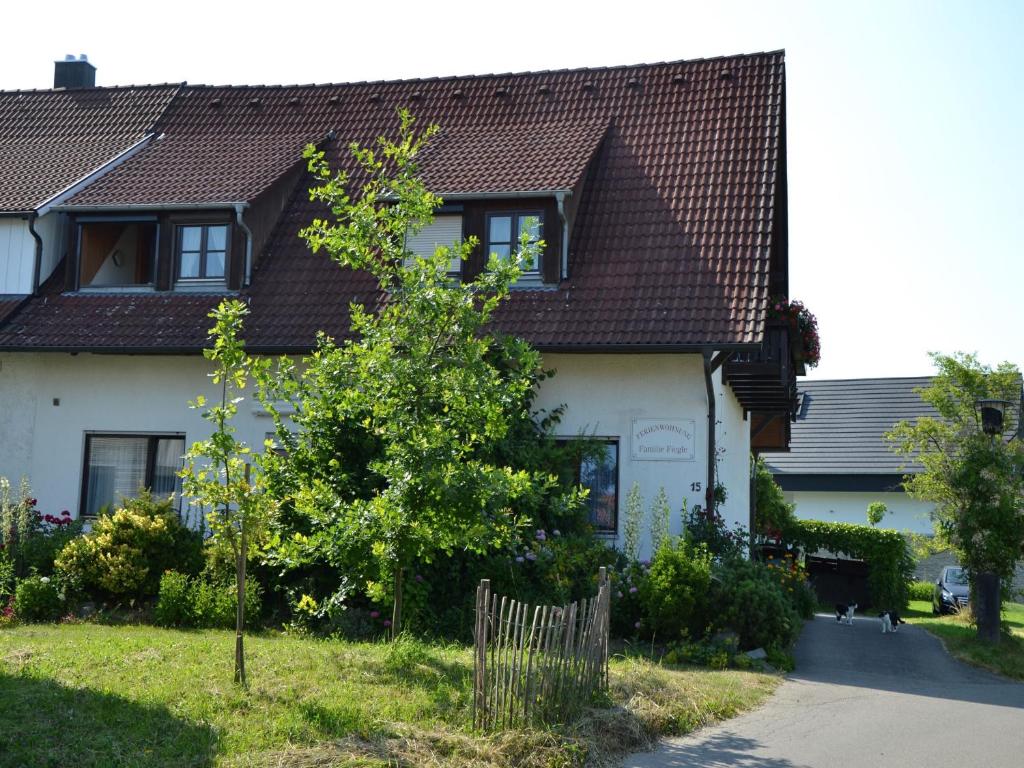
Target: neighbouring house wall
x=905 y=513
x=603 y=394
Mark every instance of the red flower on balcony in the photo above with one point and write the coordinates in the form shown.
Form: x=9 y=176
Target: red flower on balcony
x=804 y=323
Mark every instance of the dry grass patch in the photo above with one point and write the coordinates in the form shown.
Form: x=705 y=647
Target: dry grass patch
x=92 y=696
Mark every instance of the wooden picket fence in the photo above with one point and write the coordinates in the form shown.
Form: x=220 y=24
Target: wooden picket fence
x=542 y=669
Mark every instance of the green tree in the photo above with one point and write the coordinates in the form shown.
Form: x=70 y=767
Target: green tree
x=422 y=387
x=218 y=474
x=876 y=511
x=975 y=480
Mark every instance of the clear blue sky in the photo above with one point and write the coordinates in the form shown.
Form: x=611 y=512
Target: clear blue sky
x=906 y=124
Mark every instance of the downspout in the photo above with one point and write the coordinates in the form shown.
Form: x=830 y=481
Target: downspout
x=712 y=362
x=560 y=199
x=37 y=262
x=239 y=209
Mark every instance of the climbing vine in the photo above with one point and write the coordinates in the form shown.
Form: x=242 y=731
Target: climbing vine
x=887 y=553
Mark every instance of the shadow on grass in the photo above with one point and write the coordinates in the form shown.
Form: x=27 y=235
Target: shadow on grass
x=46 y=724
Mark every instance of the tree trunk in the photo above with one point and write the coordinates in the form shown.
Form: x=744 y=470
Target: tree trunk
x=240 y=610
x=396 y=615
x=986 y=609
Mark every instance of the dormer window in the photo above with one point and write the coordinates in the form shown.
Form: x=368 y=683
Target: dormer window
x=202 y=251
x=506 y=230
x=116 y=253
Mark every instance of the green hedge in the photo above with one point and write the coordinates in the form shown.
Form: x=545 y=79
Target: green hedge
x=887 y=553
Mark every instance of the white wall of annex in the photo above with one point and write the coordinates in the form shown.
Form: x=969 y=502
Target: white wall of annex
x=17 y=254
x=18 y=250
x=905 y=513
x=48 y=402
x=604 y=393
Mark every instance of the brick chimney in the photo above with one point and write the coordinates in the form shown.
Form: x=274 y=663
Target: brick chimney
x=74 y=73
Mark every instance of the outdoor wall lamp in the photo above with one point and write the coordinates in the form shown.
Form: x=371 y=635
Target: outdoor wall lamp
x=993 y=415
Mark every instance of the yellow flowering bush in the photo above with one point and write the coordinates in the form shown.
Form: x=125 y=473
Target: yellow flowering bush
x=125 y=553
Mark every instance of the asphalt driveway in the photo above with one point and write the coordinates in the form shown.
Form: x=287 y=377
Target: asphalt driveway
x=861 y=698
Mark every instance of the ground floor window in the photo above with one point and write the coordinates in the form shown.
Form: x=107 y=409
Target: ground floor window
x=599 y=474
x=118 y=466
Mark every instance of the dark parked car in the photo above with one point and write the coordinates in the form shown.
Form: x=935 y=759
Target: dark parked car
x=952 y=590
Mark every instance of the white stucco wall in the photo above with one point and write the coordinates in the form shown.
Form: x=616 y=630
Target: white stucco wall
x=138 y=394
x=905 y=513
x=604 y=393
x=96 y=393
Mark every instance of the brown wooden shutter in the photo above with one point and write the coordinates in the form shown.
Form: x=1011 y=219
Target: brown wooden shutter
x=473 y=226
x=236 y=258
x=551 y=259
x=164 y=254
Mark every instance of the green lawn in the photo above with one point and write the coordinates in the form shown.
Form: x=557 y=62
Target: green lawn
x=90 y=695
x=1007 y=658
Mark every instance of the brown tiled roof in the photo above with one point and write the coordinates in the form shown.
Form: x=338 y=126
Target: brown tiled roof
x=51 y=139
x=672 y=236
x=8 y=304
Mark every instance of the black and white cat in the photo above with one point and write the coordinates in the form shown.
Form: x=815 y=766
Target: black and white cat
x=844 y=613
x=890 y=620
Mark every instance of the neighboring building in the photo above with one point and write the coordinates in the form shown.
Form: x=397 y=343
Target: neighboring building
x=839 y=460
x=660 y=191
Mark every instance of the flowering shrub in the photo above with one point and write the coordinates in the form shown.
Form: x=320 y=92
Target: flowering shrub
x=125 y=554
x=37 y=599
x=806 y=326
x=28 y=538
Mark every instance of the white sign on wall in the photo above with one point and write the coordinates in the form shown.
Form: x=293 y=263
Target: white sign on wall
x=663 y=440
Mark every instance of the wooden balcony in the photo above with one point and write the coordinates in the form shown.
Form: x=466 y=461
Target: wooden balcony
x=764 y=381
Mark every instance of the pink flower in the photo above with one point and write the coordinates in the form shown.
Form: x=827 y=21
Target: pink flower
x=374 y=614
x=419 y=578
x=387 y=623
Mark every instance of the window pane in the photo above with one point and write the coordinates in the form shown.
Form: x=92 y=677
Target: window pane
x=530 y=225
x=191 y=237
x=600 y=476
x=117 y=470
x=190 y=264
x=215 y=264
x=503 y=251
x=217 y=238
x=501 y=229
x=166 y=465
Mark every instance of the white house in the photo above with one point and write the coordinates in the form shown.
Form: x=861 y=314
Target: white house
x=660 y=191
